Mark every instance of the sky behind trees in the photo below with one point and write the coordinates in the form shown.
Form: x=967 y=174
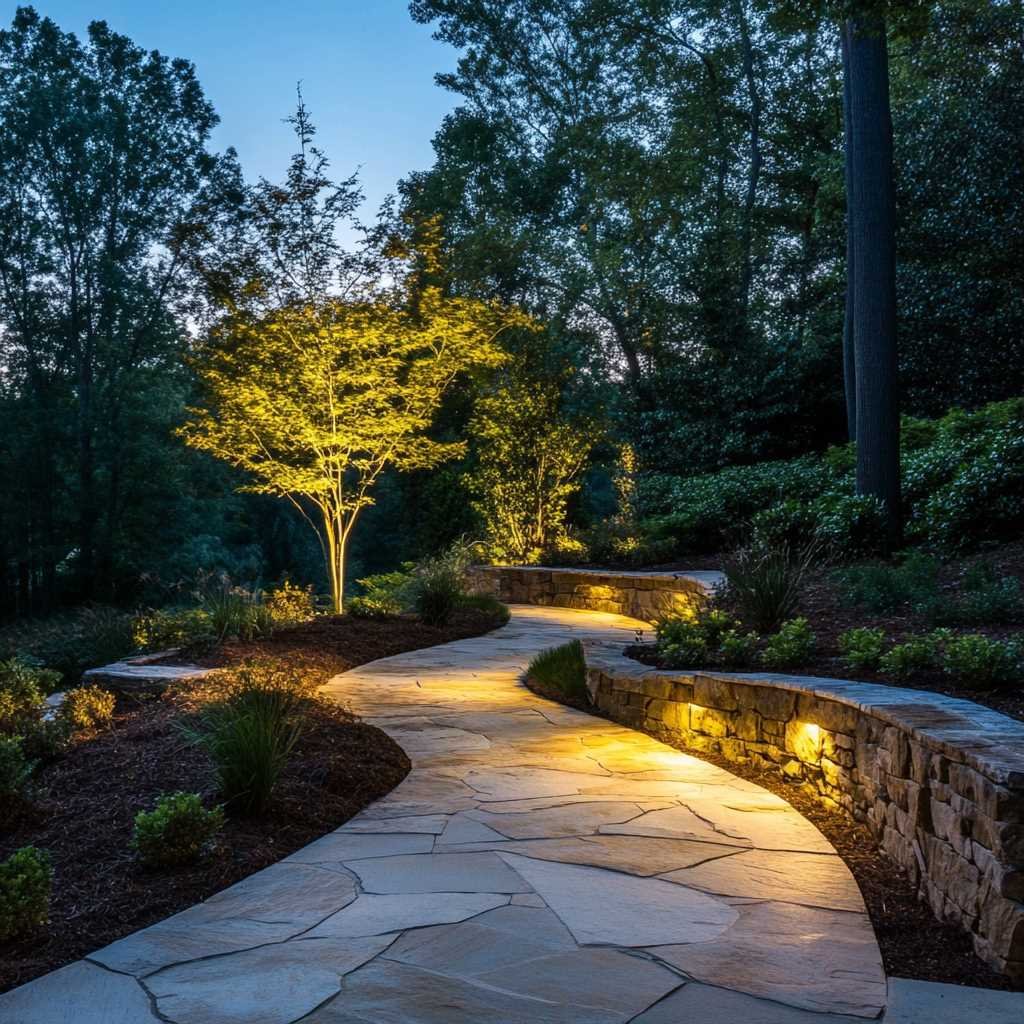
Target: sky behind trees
x=366 y=70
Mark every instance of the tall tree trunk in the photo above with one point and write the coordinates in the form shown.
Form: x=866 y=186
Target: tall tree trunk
x=849 y=364
x=873 y=218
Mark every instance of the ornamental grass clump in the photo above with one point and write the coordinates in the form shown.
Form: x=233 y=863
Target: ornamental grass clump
x=562 y=669
x=177 y=831
x=26 y=880
x=763 y=582
x=251 y=728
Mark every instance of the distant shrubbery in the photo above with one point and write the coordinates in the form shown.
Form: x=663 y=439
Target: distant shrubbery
x=963 y=485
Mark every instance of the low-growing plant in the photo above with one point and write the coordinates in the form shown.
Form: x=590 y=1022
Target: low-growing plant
x=862 y=648
x=987 y=600
x=252 y=729
x=15 y=771
x=488 y=604
x=177 y=831
x=45 y=739
x=387 y=593
x=982 y=663
x=160 y=629
x=26 y=880
x=233 y=610
x=288 y=605
x=682 y=644
x=440 y=582
x=763 y=583
x=881 y=587
x=562 y=669
x=23 y=689
x=913 y=655
x=736 y=649
x=792 y=646
x=88 y=707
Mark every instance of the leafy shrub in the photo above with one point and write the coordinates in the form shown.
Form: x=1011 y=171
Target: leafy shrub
x=26 y=879
x=23 y=689
x=791 y=647
x=440 y=582
x=914 y=655
x=562 y=669
x=862 y=648
x=881 y=587
x=737 y=649
x=763 y=584
x=251 y=730
x=176 y=831
x=15 y=771
x=982 y=663
x=88 y=707
x=288 y=605
x=987 y=599
x=234 y=611
x=159 y=629
x=682 y=643
x=387 y=593
x=45 y=739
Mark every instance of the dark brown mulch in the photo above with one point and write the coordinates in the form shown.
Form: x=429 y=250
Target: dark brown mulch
x=912 y=942
x=88 y=799
x=829 y=616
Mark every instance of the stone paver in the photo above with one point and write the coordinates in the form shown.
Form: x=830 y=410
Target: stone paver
x=537 y=865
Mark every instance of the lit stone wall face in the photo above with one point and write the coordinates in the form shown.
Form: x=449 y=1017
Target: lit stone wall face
x=645 y=596
x=939 y=781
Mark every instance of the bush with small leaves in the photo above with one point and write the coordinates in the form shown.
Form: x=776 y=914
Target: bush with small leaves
x=88 y=707
x=176 y=627
x=387 y=593
x=862 y=648
x=881 y=587
x=681 y=643
x=737 y=649
x=46 y=739
x=15 y=771
x=914 y=655
x=23 y=689
x=791 y=647
x=26 y=879
x=981 y=663
x=288 y=605
x=177 y=831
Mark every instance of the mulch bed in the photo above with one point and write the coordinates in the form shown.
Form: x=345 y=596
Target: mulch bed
x=829 y=617
x=912 y=942
x=88 y=799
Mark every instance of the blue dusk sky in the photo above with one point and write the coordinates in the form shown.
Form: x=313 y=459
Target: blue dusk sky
x=367 y=73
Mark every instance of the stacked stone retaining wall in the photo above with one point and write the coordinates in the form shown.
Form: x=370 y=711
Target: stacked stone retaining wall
x=939 y=781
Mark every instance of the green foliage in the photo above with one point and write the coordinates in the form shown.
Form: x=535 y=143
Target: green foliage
x=882 y=587
x=914 y=655
x=439 y=583
x=738 y=650
x=176 y=831
x=982 y=663
x=289 y=605
x=252 y=729
x=487 y=604
x=88 y=707
x=682 y=643
x=45 y=739
x=15 y=771
x=792 y=646
x=863 y=647
x=26 y=879
x=562 y=669
x=23 y=689
x=388 y=593
x=711 y=636
x=763 y=582
x=234 y=611
x=160 y=629
x=986 y=600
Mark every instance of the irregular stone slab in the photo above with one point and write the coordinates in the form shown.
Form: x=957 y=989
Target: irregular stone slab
x=439 y=872
x=432 y=823
x=554 y=822
x=520 y=783
x=511 y=935
x=636 y=855
x=342 y=846
x=132 y=677
x=80 y=993
x=702 y=1004
x=606 y=908
x=271 y=985
x=376 y=915
x=425 y=737
x=927 y=1002
x=391 y=993
x=821 y=960
x=461 y=829
x=605 y=979
x=270 y=906
x=825 y=880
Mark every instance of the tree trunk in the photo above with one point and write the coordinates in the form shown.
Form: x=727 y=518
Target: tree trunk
x=849 y=365
x=872 y=216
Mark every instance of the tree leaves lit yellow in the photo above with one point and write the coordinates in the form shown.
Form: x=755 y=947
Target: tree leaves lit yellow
x=315 y=402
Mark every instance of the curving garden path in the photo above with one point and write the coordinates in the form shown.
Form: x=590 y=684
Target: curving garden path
x=537 y=866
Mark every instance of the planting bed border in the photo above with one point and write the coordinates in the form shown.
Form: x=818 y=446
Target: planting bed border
x=939 y=781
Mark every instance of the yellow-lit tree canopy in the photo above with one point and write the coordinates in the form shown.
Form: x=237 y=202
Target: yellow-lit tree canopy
x=314 y=402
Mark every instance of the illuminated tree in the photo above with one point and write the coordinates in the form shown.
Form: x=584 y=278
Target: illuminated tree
x=314 y=402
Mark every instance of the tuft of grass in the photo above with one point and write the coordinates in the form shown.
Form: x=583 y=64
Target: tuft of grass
x=763 y=582
x=563 y=669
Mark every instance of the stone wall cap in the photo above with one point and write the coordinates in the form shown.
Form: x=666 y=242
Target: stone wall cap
x=707 y=578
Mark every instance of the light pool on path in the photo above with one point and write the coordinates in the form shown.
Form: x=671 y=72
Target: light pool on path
x=538 y=864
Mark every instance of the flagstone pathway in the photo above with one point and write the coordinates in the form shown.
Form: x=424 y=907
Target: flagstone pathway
x=537 y=866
